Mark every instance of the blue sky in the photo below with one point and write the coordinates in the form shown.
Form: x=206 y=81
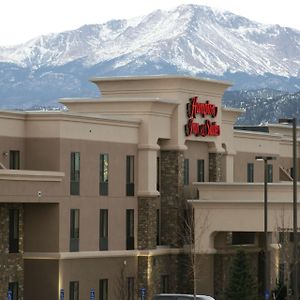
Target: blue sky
x=22 y=20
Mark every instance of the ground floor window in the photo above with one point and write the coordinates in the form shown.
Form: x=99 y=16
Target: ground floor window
x=74 y=290
x=165 y=283
x=13 y=288
x=130 y=288
x=103 y=289
x=243 y=238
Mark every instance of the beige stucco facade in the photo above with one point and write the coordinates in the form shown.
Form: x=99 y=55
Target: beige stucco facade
x=144 y=118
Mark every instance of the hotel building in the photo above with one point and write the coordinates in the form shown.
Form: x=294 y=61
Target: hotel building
x=93 y=199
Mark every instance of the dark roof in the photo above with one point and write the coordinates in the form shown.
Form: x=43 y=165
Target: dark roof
x=252 y=128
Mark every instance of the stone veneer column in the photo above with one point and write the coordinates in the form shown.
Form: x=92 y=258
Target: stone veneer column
x=147 y=207
x=11 y=264
x=215 y=167
x=171 y=163
x=143 y=274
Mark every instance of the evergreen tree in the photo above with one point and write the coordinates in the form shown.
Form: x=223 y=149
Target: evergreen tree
x=241 y=284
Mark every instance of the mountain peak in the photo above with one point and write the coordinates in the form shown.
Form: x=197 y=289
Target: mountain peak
x=190 y=38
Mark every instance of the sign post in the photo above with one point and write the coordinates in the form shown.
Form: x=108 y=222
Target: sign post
x=143 y=293
x=92 y=294
x=62 y=294
x=267 y=294
x=9 y=295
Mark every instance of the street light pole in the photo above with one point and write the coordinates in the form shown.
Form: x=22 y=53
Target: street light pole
x=265 y=159
x=293 y=121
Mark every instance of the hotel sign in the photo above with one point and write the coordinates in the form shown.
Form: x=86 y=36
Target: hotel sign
x=208 y=127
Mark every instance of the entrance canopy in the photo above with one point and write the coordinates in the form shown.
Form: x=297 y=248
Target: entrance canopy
x=224 y=207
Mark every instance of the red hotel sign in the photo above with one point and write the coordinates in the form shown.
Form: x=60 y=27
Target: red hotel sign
x=208 y=128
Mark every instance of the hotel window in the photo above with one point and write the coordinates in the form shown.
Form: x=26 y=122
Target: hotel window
x=292 y=237
x=270 y=173
x=129 y=229
x=13 y=230
x=292 y=172
x=250 y=172
x=157 y=173
x=74 y=290
x=103 y=186
x=243 y=238
x=200 y=170
x=103 y=229
x=13 y=288
x=103 y=289
x=14 y=159
x=165 y=283
x=74 y=230
x=186 y=172
x=157 y=227
x=130 y=288
x=129 y=175
x=75 y=173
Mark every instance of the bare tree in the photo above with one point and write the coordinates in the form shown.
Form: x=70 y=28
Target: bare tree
x=285 y=249
x=193 y=231
x=125 y=288
x=120 y=283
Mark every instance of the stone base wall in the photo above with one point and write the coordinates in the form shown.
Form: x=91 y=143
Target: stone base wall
x=11 y=264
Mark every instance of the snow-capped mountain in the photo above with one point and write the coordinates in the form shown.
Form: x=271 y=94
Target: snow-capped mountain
x=190 y=39
x=194 y=38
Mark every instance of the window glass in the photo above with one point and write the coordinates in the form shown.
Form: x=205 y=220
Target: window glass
x=13 y=290
x=186 y=172
x=250 y=172
x=103 y=174
x=129 y=229
x=74 y=290
x=130 y=288
x=103 y=289
x=243 y=238
x=130 y=169
x=14 y=159
x=75 y=174
x=200 y=170
x=157 y=227
x=103 y=229
x=74 y=230
x=157 y=173
x=129 y=175
x=270 y=173
x=165 y=283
